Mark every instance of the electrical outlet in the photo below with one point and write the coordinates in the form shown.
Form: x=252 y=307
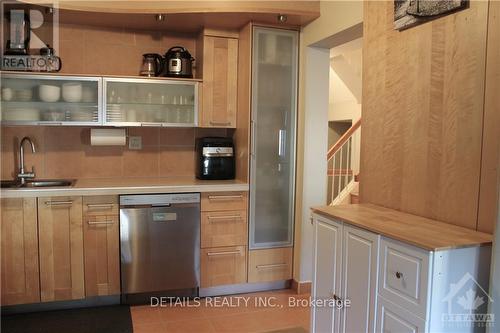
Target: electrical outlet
x=135 y=142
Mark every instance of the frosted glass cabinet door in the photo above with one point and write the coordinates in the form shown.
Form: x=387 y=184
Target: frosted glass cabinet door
x=31 y=99
x=274 y=104
x=149 y=102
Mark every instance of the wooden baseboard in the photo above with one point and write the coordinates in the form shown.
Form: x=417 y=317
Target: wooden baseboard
x=301 y=287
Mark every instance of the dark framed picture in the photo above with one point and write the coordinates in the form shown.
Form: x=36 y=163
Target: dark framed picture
x=409 y=13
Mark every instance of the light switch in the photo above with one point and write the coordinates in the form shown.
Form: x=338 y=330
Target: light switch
x=135 y=142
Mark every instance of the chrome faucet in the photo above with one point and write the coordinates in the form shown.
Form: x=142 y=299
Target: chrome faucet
x=23 y=175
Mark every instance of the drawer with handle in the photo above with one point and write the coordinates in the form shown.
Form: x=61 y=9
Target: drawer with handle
x=404 y=275
x=223 y=266
x=100 y=205
x=216 y=201
x=226 y=228
x=270 y=265
x=101 y=220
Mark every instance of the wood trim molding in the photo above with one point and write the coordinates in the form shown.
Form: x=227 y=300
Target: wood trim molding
x=304 y=287
x=488 y=201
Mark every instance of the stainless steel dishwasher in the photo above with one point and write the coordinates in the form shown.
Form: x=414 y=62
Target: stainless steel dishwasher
x=159 y=245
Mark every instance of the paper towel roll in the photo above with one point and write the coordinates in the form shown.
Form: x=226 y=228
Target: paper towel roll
x=108 y=137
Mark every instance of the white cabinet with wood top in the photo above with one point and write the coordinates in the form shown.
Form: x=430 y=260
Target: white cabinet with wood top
x=61 y=248
x=20 y=269
x=392 y=286
x=345 y=268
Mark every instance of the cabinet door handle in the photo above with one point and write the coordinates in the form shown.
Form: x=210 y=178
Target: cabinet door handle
x=252 y=138
x=224 y=253
x=336 y=298
x=224 y=197
x=399 y=275
x=51 y=123
x=100 y=206
x=227 y=217
x=218 y=123
x=271 y=266
x=58 y=203
x=101 y=222
x=151 y=124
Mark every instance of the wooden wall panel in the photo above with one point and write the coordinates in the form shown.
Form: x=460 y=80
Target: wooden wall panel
x=423 y=96
x=488 y=199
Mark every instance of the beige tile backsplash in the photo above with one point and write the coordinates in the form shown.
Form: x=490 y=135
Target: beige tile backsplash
x=65 y=152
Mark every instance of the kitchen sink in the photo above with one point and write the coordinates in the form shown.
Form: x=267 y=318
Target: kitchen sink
x=37 y=183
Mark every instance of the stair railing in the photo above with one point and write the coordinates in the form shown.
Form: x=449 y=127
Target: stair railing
x=340 y=173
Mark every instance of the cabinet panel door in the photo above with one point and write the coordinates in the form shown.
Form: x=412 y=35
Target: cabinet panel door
x=268 y=265
x=19 y=252
x=392 y=318
x=61 y=248
x=102 y=255
x=273 y=136
x=220 y=75
x=359 y=278
x=223 y=265
x=404 y=275
x=227 y=228
x=327 y=274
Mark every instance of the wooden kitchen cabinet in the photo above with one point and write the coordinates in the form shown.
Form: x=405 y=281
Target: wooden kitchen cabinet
x=20 y=269
x=227 y=228
x=269 y=265
x=220 y=81
x=61 y=248
x=220 y=201
x=101 y=245
x=224 y=238
x=223 y=266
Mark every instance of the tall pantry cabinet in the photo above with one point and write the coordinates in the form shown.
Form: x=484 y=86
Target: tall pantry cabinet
x=273 y=77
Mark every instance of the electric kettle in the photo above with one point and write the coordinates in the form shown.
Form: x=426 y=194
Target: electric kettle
x=152 y=64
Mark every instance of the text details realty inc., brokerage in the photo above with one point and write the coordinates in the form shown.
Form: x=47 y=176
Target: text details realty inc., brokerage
x=246 y=301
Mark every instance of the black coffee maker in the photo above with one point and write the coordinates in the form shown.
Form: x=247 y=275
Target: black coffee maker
x=215 y=158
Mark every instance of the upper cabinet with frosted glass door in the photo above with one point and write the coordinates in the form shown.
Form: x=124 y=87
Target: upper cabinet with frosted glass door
x=150 y=102
x=33 y=99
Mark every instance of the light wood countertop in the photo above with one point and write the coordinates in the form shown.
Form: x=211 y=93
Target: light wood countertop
x=416 y=230
x=119 y=186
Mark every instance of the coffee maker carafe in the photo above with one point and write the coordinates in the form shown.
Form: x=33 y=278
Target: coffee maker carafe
x=152 y=64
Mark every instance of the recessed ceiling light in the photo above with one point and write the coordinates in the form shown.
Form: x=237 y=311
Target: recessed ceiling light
x=282 y=18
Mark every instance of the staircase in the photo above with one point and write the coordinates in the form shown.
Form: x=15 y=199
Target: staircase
x=343 y=167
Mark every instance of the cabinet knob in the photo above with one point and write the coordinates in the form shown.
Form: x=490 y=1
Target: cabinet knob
x=335 y=297
x=399 y=275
